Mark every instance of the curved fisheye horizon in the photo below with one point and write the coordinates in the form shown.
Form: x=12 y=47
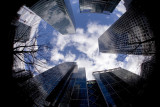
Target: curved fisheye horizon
x=80 y=47
x=82 y=53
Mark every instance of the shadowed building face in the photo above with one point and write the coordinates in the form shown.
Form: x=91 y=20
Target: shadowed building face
x=119 y=87
x=57 y=13
x=98 y=6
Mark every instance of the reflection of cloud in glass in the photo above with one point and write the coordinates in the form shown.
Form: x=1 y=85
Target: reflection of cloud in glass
x=56 y=14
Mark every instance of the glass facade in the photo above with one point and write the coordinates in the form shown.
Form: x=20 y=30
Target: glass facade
x=46 y=87
x=98 y=6
x=57 y=13
x=22 y=32
x=147 y=67
x=95 y=96
x=119 y=87
x=76 y=94
x=63 y=85
x=130 y=34
x=127 y=3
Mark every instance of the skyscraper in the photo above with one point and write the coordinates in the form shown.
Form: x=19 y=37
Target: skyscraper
x=130 y=34
x=127 y=3
x=98 y=6
x=57 y=13
x=75 y=94
x=63 y=85
x=22 y=32
x=45 y=88
x=119 y=87
x=148 y=67
x=95 y=96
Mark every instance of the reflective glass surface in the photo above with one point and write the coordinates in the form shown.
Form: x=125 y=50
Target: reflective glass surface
x=57 y=13
x=76 y=93
x=119 y=86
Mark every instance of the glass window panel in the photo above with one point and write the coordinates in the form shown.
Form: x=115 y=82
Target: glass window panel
x=110 y=90
x=117 y=87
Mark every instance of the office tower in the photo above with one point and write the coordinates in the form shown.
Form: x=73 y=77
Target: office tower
x=75 y=94
x=98 y=6
x=119 y=87
x=22 y=32
x=130 y=34
x=63 y=85
x=127 y=3
x=57 y=13
x=45 y=88
x=95 y=96
x=148 y=67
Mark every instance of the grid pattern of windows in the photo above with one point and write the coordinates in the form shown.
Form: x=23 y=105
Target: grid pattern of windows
x=57 y=13
x=45 y=84
x=130 y=33
x=94 y=95
x=22 y=32
x=76 y=93
x=117 y=88
x=147 y=67
x=98 y=6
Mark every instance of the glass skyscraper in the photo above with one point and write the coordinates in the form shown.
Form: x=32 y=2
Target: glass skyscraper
x=119 y=87
x=130 y=34
x=45 y=88
x=148 y=67
x=98 y=6
x=22 y=32
x=63 y=85
x=127 y=3
x=75 y=94
x=95 y=96
x=57 y=13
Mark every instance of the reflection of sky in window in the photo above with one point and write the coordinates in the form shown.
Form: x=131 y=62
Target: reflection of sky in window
x=82 y=47
x=55 y=13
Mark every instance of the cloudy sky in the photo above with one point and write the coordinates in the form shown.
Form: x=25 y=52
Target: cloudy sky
x=82 y=47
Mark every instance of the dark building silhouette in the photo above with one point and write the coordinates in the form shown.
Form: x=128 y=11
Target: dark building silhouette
x=95 y=96
x=148 y=67
x=63 y=85
x=127 y=3
x=130 y=34
x=57 y=13
x=119 y=87
x=43 y=89
x=75 y=94
x=22 y=32
x=98 y=6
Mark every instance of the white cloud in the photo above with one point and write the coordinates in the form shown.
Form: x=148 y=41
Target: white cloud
x=118 y=15
x=74 y=1
x=120 y=7
x=70 y=57
x=56 y=56
x=134 y=63
x=94 y=27
x=62 y=41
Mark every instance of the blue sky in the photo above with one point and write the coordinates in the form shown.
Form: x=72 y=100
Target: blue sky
x=81 y=47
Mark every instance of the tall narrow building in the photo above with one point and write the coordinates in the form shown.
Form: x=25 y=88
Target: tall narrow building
x=22 y=32
x=61 y=86
x=44 y=89
x=95 y=96
x=75 y=94
x=130 y=34
x=57 y=13
x=98 y=6
x=119 y=87
x=127 y=3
